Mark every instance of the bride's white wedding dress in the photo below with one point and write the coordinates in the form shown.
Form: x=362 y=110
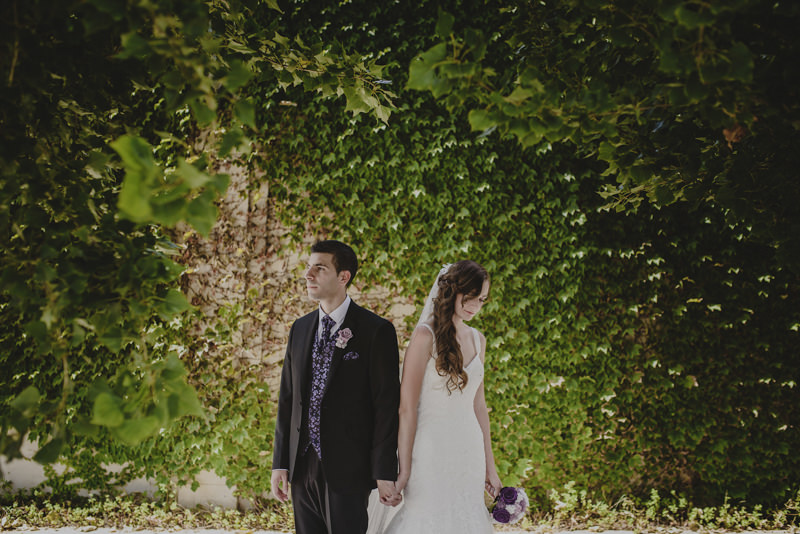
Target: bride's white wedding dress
x=444 y=494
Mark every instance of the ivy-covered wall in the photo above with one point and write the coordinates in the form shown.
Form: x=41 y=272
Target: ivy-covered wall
x=626 y=351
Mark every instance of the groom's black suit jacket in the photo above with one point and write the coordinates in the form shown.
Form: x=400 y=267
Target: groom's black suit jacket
x=359 y=419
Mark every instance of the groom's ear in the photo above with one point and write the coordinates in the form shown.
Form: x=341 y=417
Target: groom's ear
x=344 y=277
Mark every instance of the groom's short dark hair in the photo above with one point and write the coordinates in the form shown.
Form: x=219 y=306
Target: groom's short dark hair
x=344 y=258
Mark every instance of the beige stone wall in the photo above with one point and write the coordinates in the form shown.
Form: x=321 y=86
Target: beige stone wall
x=249 y=264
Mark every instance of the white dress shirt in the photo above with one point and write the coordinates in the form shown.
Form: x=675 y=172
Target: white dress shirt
x=337 y=315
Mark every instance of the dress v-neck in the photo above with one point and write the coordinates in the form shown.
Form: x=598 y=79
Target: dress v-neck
x=475 y=342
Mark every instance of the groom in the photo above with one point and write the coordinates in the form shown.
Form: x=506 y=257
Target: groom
x=336 y=431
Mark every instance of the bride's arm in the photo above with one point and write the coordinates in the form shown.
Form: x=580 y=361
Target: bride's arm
x=493 y=484
x=414 y=363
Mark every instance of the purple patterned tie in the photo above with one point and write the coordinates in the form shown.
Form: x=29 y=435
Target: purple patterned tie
x=321 y=356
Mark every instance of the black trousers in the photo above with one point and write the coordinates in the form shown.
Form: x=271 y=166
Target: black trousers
x=320 y=510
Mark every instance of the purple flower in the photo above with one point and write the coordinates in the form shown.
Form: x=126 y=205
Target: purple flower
x=501 y=515
x=342 y=337
x=508 y=495
x=510 y=505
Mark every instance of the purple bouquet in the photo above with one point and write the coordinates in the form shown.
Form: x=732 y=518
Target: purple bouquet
x=510 y=505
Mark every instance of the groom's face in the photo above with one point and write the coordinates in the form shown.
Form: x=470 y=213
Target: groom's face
x=322 y=280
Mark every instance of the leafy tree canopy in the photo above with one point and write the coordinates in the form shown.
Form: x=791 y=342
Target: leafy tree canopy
x=676 y=100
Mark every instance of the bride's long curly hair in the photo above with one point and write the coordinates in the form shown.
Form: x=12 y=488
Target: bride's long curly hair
x=464 y=277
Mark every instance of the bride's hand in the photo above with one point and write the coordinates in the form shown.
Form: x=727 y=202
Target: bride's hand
x=493 y=484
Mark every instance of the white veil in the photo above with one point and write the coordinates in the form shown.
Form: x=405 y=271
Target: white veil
x=427 y=309
x=379 y=514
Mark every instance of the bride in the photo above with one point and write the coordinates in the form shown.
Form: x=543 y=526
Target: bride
x=444 y=446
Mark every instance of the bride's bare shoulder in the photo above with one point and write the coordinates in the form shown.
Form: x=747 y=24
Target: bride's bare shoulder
x=421 y=345
x=424 y=329
x=423 y=333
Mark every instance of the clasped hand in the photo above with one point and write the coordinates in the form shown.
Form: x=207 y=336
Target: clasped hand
x=493 y=484
x=389 y=492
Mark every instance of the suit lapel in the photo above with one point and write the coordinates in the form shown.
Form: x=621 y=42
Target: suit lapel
x=349 y=322
x=304 y=355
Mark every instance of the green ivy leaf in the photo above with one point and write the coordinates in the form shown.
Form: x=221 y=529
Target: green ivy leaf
x=202 y=112
x=50 y=452
x=230 y=140
x=664 y=195
x=480 y=119
x=273 y=4
x=691 y=18
x=133 y=46
x=201 y=212
x=666 y=9
x=422 y=71
x=37 y=330
x=137 y=156
x=83 y=427
x=356 y=100
x=245 y=112
x=133 y=431
x=238 y=76
x=141 y=171
x=191 y=175
x=185 y=401
x=173 y=367
x=174 y=303
x=27 y=401
x=106 y=411
x=741 y=63
x=444 y=24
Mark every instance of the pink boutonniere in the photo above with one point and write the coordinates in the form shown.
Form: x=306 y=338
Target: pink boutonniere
x=342 y=337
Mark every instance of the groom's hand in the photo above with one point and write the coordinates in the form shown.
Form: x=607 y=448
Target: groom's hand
x=388 y=493
x=280 y=484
